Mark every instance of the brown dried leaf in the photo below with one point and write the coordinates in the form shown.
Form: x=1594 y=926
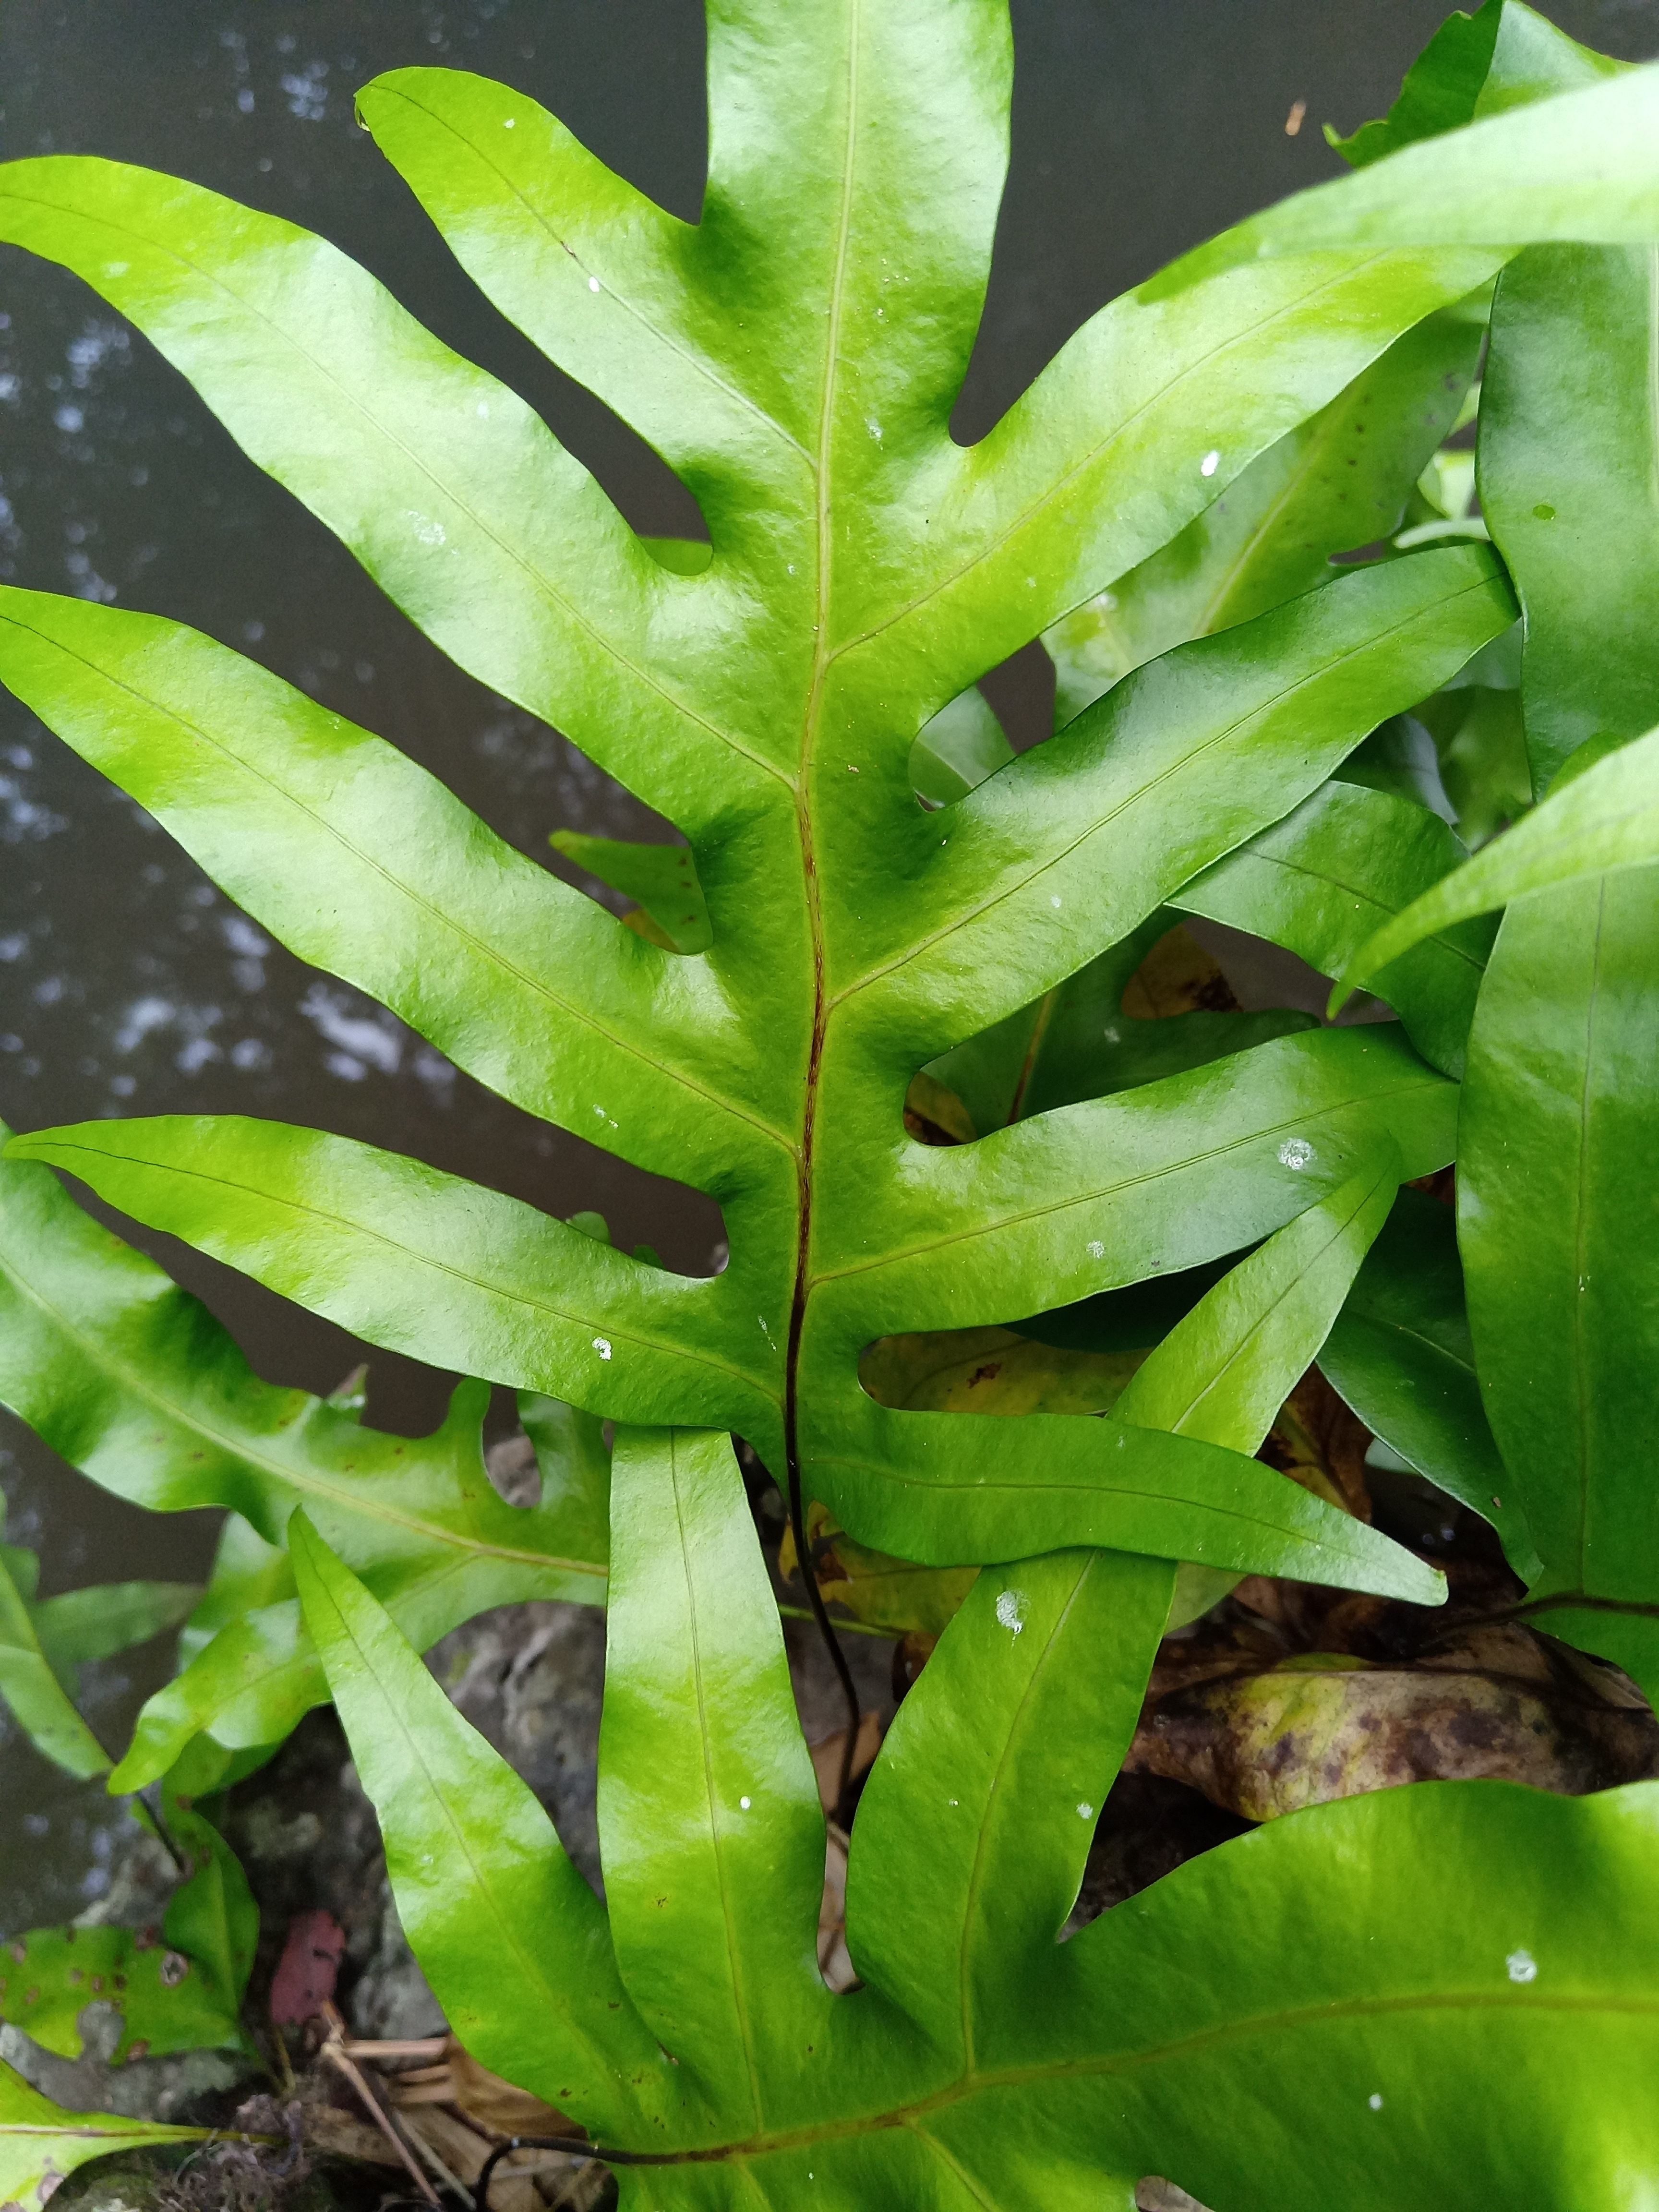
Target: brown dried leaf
x=992 y=1371
x=1498 y=1702
x=1177 y=977
x=1320 y=1444
x=934 y=1115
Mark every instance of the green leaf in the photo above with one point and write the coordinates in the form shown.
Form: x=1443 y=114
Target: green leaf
x=135 y=1383
x=247 y=1573
x=35 y=1697
x=970 y=1847
x=360 y=861
x=662 y=877
x=407 y=1256
x=981 y=2062
x=1224 y=1371
x=1555 y=1214
x=105 y=1617
x=1567 y=468
x=1323 y=881
x=178 y=1988
x=40 y=2143
x=448 y=486
x=796 y=354
x=511 y=1938
x=1577 y=167
x=957 y=749
x=1084 y=1039
x=1337 y=482
x=710 y=1827
x=1401 y=1353
x=1439 y=92
x=1607 y=817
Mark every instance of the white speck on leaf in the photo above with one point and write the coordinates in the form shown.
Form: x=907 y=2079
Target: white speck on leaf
x=593 y=284
x=745 y=1802
x=1295 y=1152
x=430 y=533
x=116 y=268
x=874 y=429
x=602 y=1346
x=1054 y=902
x=1085 y=1811
x=509 y=122
x=1010 y=1611
x=1522 y=1966
x=1375 y=2100
x=1096 y=1249
x=1210 y=464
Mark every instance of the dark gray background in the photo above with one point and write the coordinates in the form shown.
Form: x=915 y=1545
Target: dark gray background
x=127 y=983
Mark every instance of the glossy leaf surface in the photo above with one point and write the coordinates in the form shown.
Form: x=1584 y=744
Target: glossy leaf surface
x=1337 y=483
x=795 y=355
x=135 y=1382
x=1320 y=882
x=1607 y=817
x=1556 y=1208
x=1303 y=1986
x=1402 y=1355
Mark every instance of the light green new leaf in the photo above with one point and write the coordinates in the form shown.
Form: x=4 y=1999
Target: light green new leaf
x=1401 y=1353
x=1606 y=818
x=41 y=2144
x=1226 y=1368
x=1560 y=1226
x=1224 y=1371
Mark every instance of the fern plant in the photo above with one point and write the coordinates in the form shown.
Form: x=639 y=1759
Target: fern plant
x=876 y=904
x=865 y=569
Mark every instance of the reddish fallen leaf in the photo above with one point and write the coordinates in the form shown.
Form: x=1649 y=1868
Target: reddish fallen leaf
x=306 y=1973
